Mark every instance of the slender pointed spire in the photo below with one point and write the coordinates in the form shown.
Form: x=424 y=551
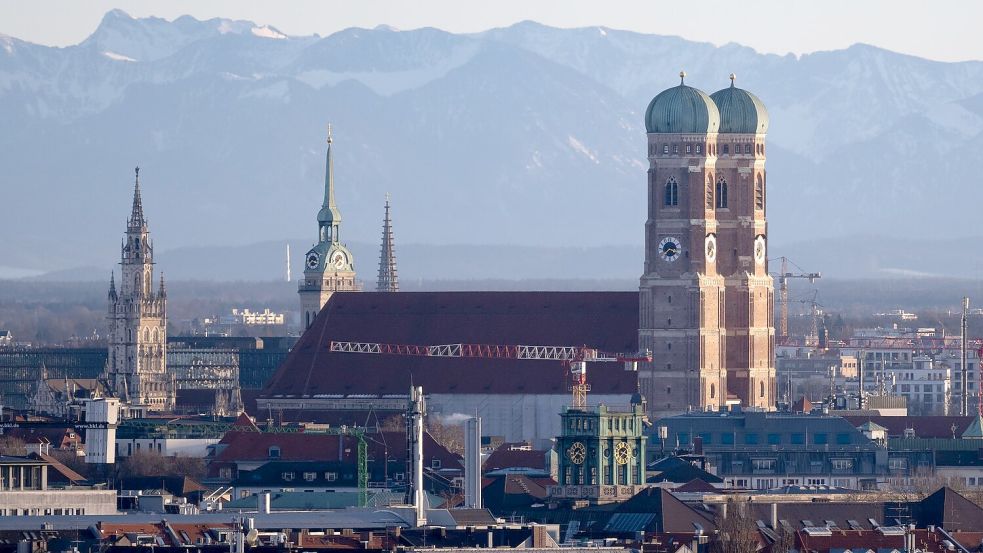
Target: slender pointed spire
x=163 y=290
x=112 y=286
x=136 y=215
x=388 y=280
x=329 y=213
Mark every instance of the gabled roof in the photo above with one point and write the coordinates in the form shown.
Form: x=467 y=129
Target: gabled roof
x=62 y=472
x=504 y=457
x=950 y=510
x=657 y=510
x=604 y=320
x=975 y=429
x=697 y=485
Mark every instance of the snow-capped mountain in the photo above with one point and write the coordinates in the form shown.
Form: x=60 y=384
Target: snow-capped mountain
x=523 y=135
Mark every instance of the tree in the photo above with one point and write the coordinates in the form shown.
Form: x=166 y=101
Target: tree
x=152 y=463
x=10 y=445
x=448 y=435
x=736 y=531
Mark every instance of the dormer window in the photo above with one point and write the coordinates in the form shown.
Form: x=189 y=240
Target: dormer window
x=274 y=452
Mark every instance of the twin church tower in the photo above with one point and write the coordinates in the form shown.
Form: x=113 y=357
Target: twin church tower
x=706 y=301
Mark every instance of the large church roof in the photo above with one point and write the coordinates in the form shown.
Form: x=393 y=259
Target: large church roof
x=604 y=320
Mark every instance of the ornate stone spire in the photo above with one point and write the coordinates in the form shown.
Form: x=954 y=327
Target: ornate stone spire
x=112 y=286
x=388 y=280
x=136 y=215
x=329 y=215
x=163 y=290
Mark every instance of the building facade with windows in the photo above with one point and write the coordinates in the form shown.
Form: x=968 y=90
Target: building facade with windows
x=764 y=451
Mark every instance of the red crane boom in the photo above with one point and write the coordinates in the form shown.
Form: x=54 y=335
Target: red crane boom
x=576 y=357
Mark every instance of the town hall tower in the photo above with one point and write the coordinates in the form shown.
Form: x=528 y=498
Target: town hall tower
x=137 y=364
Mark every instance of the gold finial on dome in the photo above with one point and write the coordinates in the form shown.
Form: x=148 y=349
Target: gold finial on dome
x=732 y=77
x=682 y=78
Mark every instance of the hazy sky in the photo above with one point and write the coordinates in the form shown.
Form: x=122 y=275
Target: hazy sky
x=940 y=30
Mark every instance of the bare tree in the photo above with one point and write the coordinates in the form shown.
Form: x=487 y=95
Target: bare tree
x=10 y=445
x=736 y=531
x=449 y=436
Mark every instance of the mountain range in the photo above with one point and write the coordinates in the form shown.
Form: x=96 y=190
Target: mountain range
x=525 y=142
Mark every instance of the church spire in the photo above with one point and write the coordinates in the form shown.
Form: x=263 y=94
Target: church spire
x=163 y=290
x=329 y=218
x=388 y=280
x=136 y=215
x=112 y=286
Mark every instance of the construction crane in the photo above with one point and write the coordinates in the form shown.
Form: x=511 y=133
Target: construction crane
x=783 y=290
x=575 y=357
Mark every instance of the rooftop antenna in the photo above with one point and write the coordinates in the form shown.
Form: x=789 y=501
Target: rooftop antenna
x=288 y=262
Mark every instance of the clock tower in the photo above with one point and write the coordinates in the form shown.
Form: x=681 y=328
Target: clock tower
x=681 y=292
x=706 y=299
x=328 y=266
x=136 y=369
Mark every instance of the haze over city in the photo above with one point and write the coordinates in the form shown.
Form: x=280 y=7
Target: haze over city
x=553 y=276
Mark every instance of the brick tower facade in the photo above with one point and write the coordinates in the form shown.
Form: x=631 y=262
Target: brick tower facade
x=705 y=294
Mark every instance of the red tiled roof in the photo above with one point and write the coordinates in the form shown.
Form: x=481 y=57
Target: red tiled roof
x=862 y=540
x=604 y=320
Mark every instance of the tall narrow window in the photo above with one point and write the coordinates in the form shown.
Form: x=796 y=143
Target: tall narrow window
x=672 y=193
x=759 y=194
x=699 y=148
x=721 y=194
x=747 y=148
x=710 y=192
x=726 y=148
x=665 y=148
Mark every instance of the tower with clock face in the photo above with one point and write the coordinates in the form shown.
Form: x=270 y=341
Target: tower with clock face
x=706 y=299
x=743 y=240
x=681 y=292
x=136 y=369
x=600 y=453
x=328 y=266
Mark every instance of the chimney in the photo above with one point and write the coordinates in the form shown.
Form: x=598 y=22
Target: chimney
x=472 y=463
x=417 y=410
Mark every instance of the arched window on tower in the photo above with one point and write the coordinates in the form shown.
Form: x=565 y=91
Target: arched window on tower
x=759 y=194
x=721 y=194
x=672 y=193
x=713 y=391
x=761 y=388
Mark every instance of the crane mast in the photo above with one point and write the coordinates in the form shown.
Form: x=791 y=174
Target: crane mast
x=783 y=292
x=574 y=357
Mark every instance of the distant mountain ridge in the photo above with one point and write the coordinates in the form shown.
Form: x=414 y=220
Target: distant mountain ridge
x=524 y=135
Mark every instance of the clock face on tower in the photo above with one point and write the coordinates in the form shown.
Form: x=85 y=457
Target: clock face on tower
x=710 y=247
x=312 y=260
x=339 y=260
x=577 y=453
x=622 y=452
x=670 y=248
x=759 y=250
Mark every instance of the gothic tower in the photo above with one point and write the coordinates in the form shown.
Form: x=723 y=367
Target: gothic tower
x=681 y=293
x=742 y=235
x=328 y=267
x=137 y=364
x=388 y=280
